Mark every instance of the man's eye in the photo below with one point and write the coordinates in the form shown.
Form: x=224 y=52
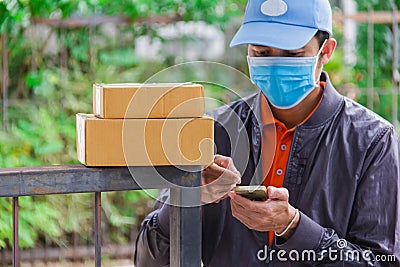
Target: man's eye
x=294 y=54
x=261 y=53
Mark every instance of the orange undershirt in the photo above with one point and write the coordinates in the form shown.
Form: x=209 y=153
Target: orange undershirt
x=275 y=161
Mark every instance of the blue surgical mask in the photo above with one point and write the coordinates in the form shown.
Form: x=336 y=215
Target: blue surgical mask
x=285 y=81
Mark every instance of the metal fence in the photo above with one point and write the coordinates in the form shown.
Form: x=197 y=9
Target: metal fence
x=372 y=18
x=184 y=221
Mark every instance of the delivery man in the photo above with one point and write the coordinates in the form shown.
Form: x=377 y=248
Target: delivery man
x=333 y=177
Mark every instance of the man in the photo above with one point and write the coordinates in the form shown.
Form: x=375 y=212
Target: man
x=333 y=181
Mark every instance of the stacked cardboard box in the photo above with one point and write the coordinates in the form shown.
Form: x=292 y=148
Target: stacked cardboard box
x=146 y=125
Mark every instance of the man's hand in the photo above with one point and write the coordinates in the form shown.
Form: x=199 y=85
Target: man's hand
x=218 y=179
x=274 y=214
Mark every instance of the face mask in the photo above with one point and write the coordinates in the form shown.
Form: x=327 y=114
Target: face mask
x=285 y=81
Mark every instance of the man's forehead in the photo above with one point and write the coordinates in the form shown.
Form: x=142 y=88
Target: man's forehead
x=262 y=47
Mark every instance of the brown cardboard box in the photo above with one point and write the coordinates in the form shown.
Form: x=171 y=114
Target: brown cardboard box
x=158 y=100
x=148 y=142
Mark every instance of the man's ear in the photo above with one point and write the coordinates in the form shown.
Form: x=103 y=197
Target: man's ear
x=328 y=49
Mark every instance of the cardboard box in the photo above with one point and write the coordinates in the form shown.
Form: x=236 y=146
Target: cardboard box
x=158 y=100
x=144 y=142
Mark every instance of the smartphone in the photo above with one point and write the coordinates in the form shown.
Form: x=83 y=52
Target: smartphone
x=252 y=192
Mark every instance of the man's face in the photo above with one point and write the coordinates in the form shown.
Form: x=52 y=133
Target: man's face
x=309 y=50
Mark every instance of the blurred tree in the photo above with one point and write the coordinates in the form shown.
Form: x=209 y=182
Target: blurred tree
x=47 y=90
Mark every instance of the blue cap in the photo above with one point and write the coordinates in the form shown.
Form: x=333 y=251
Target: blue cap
x=283 y=24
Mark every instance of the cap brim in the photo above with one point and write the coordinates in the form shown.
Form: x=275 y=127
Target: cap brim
x=282 y=36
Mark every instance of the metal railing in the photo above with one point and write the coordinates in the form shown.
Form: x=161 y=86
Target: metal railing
x=185 y=223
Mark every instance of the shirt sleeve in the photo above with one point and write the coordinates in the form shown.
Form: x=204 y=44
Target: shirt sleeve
x=373 y=236
x=152 y=244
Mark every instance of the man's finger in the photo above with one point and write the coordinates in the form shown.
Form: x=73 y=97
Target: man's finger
x=226 y=162
x=247 y=204
x=278 y=193
x=239 y=214
x=214 y=169
x=222 y=161
x=214 y=172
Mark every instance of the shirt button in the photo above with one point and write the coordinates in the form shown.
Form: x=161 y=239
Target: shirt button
x=280 y=128
x=283 y=147
x=279 y=172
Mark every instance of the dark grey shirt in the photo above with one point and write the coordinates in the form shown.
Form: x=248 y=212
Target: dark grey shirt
x=343 y=174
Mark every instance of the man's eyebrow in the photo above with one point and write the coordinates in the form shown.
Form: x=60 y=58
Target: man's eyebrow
x=255 y=47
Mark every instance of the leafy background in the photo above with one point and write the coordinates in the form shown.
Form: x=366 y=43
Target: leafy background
x=46 y=91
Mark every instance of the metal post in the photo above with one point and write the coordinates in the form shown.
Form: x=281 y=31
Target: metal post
x=371 y=67
x=15 y=245
x=33 y=34
x=5 y=79
x=185 y=227
x=349 y=8
x=92 y=55
x=45 y=180
x=97 y=226
x=395 y=71
x=63 y=48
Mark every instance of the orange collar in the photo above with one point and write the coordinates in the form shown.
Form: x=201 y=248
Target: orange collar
x=268 y=118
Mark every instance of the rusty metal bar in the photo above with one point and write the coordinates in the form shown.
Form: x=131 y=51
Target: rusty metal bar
x=371 y=36
x=15 y=236
x=97 y=228
x=72 y=23
x=53 y=254
x=31 y=181
x=185 y=229
x=379 y=17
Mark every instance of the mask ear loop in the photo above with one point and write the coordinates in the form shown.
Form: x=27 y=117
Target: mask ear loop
x=322 y=48
x=316 y=62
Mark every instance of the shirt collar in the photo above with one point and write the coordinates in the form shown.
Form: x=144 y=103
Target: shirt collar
x=329 y=103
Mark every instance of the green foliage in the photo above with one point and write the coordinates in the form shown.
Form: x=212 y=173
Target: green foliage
x=45 y=99
x=37 y=218
x=119 y=57
x=42 y=132
x=383 y=55
x=5 y=221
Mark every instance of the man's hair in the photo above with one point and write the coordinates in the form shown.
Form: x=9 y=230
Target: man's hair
x=321 y=37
